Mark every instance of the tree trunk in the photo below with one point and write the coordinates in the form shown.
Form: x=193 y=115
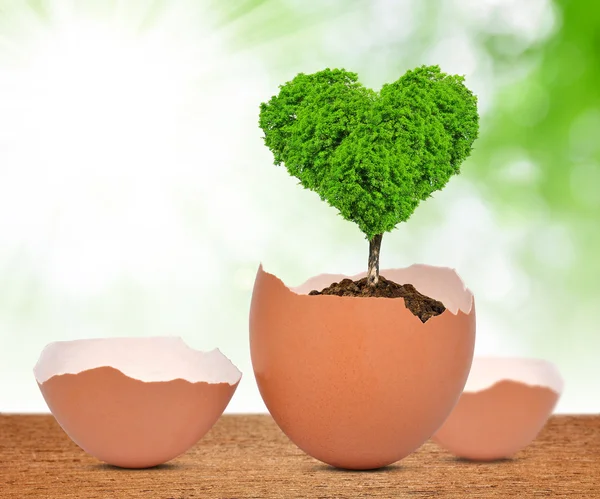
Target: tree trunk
x=374 y=247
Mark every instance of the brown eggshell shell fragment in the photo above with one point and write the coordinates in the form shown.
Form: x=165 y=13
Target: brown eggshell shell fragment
x=494 y=419
x=360 y=383
x=133 y=423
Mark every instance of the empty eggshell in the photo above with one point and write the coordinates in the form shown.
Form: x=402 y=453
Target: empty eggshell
x=135 y=402
x=505 y=404
x=360 y=383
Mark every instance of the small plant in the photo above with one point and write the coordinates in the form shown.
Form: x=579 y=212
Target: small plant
x=373 y=156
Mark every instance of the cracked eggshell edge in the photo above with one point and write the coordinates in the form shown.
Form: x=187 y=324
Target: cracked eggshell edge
x=441 y=283
x=487 y=372
x=146 y=359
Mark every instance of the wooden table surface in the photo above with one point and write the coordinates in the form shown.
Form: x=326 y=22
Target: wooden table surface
x=248 y=456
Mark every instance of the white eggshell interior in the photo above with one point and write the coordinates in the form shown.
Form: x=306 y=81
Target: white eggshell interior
x=440 y=283
x=147 y=359
x=487 y=371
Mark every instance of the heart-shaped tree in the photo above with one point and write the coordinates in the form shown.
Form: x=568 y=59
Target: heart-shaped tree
x=373 y=156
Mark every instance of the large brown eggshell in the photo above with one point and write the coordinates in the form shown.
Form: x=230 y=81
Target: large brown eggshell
x=505 y=404
x=360 y=383
x=135 y=402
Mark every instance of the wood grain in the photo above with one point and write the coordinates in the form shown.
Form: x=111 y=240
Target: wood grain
x=249 y=457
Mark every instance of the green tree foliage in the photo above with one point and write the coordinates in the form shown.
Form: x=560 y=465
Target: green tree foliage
x=373 y=156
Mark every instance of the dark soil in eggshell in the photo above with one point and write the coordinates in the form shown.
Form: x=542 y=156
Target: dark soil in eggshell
x=420 y=305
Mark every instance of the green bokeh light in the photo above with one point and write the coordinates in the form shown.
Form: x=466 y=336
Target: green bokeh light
x=156 y=223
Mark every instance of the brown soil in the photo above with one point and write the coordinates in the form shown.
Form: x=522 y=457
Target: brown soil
x=420 y=305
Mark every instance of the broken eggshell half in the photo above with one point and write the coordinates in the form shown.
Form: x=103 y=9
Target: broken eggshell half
x=505 y=404
x=360 y=383
x=135 y=402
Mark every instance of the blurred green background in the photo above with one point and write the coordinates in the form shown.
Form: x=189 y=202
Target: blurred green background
x=137 y=197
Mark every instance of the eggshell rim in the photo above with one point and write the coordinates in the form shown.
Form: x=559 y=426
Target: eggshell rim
x=360 y=275
x=554 y=382
x=137 y=379
x=227 y=364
